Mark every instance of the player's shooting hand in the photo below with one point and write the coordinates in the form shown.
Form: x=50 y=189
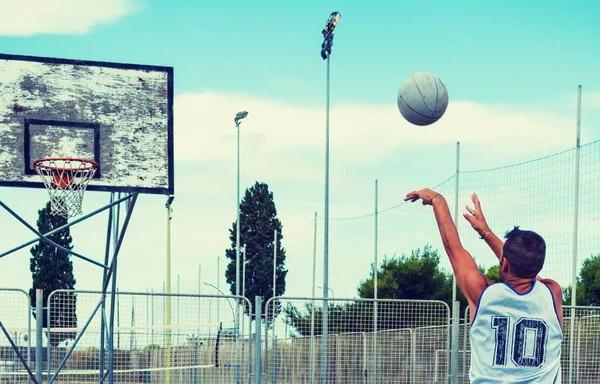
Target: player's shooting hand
x=475 y=216
x=426 y=195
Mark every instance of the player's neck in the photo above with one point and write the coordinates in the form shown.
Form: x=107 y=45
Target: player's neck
x=519 y=284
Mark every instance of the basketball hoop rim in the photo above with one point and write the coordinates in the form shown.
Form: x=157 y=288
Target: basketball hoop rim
x=40 y=163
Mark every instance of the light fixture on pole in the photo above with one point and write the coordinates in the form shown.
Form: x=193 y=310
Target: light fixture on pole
x=223 y=294
x=330 y=25
x=328 y=34
x=330 y=290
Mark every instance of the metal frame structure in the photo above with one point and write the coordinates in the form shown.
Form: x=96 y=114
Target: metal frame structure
x=114 y=239
x=122 y=196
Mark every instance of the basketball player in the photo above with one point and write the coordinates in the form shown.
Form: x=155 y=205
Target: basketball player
x=515 y=334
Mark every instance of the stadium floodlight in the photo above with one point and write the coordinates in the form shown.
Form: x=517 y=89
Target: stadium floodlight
x=328 y=34
x=331 y=23
x=239 y=116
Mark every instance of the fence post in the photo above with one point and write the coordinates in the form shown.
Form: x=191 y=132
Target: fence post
x=575 y=234
x=413 y=356
x=365 y=371
x=274 y=357
x=455 y=342
x=375 y=287
x=257 y=339
x=456 y=217
x=465 y=345
x=39 y=324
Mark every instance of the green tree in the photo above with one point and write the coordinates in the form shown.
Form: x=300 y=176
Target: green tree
x=416 y=277
x=493 y=273
x=258 y=223
x=588 y=283
x=52 y=269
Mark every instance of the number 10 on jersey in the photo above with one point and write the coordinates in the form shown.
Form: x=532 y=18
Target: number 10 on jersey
x=527 y=341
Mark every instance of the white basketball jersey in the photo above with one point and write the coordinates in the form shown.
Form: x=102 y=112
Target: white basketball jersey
x=515 y=338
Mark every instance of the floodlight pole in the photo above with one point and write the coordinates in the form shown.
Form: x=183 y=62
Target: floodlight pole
x=168 y=289
x=238 y=117
x=325 y=55
x=237 y=220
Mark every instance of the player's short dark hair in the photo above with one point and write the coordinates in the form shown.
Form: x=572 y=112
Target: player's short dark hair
x=525 y=252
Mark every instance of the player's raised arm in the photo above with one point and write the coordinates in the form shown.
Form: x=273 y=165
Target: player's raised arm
x=477 y=220
x=446 y=226
x=468 y=277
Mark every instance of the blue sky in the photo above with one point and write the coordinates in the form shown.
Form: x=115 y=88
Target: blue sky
x=490 y=51
x=511 y=69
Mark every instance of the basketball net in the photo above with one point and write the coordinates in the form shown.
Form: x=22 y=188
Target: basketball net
x=66 y=180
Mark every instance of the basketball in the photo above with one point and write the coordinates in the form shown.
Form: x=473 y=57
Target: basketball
x=422 y=99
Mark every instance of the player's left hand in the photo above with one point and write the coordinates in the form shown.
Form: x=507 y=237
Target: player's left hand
x=426 y=195
x=475 y=216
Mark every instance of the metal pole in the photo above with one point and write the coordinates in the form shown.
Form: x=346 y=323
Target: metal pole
x=131 y=333
x=455 y=317
x=200 y=299
x=244 y=285
x=103 y=324
x=324 y=338
x=455 y=342
x=39 y=335
x=114 y=299
x=274 y=263
x=237 y=258
x=257 y=341
x=152 y=315
x=237 y=221
x=326 y=54
x=28 y=338
x=238 y=117
x=375 y=277
x=575 y=230
x=168 y=291
x=456 y=187
x=118 y=304
x=244 y=271
x=218 y=289
x=312 y=311
x=376 y=265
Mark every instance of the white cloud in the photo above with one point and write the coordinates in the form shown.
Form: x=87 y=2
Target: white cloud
x=63 y=17
x=279 y=137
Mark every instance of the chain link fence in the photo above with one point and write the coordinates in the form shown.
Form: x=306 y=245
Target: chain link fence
x=368 y=341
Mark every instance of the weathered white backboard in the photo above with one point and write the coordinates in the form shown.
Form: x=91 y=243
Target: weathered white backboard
x=119 y=115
